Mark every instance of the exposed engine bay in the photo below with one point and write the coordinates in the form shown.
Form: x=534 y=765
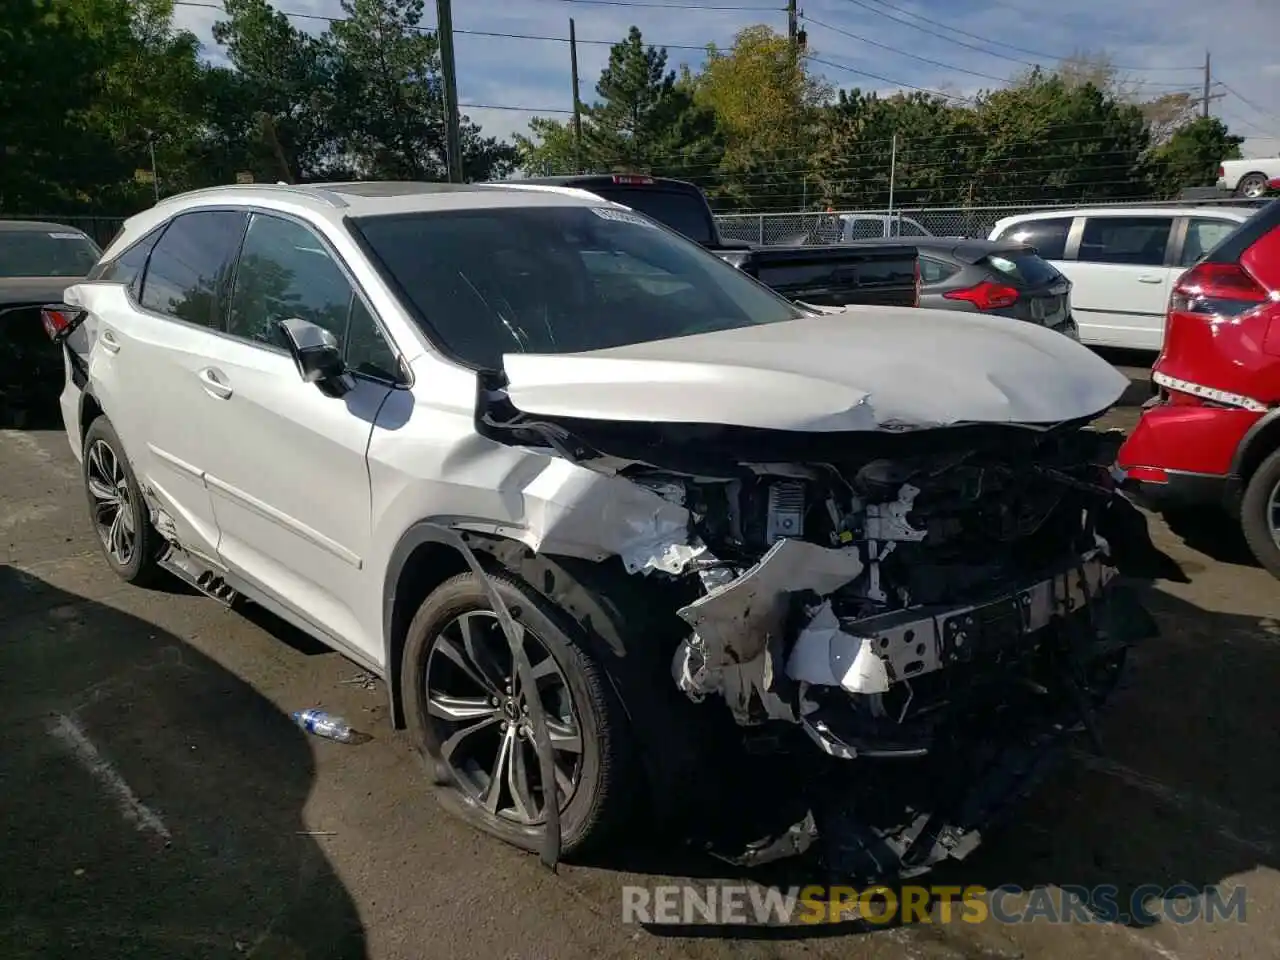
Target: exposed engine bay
x=941 y=606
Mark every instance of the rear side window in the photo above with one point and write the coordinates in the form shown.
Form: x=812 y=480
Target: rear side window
x=909 y=228
x=1203 y=236
x=864 y=228
x=935 y=271
x=1049 y=237
x=127 y=268
x=185 y=276
x=1127 y=240
x=1024 y=267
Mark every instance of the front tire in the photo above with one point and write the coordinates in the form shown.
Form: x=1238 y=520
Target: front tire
x=129 y=543
x=1260 y=514
x=468 y=716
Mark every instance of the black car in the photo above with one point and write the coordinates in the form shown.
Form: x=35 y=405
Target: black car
x=994 y=276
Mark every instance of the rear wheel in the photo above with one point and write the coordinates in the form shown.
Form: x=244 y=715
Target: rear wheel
x=1252 y=186
x=467 y=711
x=1260 y=513
x=116 y=509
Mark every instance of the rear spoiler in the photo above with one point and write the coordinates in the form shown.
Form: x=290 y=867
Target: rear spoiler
x=979 y=250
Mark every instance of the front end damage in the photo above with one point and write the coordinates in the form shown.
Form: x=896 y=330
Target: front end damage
x=904 y=626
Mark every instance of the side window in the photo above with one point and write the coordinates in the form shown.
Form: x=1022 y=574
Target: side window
x=1049 y=237
x=1203 y=236
x=864 y=228
x=367 y=348
x=935 y=271
x=188 y=265
x=285 y=271
x=909 y=228
x=127 y=268
x=1129 y=240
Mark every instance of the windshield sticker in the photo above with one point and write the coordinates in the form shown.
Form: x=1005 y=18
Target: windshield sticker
x=65 y=236
x=621 y=216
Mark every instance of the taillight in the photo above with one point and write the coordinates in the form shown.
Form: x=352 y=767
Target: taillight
x=1216 y=289
x=986 y=295
x=1222 y=173
x=633 y=179
x=60 y=321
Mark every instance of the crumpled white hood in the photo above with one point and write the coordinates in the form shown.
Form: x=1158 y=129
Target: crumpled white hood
x=863 y=368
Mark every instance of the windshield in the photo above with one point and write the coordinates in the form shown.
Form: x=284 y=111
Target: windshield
x=1025 y=267
x=559 y=280
x=683 y=212
x=46 y=253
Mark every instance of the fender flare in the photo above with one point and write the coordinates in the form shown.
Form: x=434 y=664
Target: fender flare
x=1264 y=424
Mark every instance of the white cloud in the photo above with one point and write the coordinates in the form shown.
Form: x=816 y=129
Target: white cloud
x=1162 y=42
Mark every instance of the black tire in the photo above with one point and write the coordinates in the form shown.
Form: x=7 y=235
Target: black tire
x=140 y=567
x=1254 y=514
x=1252 y=182
x=601 y=799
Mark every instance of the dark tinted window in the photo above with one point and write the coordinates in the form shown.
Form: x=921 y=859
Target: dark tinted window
x=935 y=271
x=127 y=268
x=1203 y=236
x=1027 y=268
x=683 y=212
x=559 y=280
x=189 y=263
x=46 y=252
x=864 y=228
x=285 y=271
x=909 y=228
x=1049 y=237
x=1132 y=240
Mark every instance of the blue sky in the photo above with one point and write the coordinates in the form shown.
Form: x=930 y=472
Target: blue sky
x=1161 y=43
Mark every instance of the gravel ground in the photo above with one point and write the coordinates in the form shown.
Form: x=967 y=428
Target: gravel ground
x=158 y=803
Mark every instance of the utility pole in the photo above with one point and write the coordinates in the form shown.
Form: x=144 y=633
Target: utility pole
x=577 y=104
x=1207 y=81
x=793 y=27
x=448 y=70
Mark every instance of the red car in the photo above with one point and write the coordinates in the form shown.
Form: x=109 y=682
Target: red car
x=1211 y=434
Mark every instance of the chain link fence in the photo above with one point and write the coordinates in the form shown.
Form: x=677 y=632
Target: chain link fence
x=905 y=222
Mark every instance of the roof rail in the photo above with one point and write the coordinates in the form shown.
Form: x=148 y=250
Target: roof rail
x=305 y=190
x=575 y=192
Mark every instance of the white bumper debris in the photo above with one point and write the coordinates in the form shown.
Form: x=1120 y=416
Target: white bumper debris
x=825 y=655
x=736 y=647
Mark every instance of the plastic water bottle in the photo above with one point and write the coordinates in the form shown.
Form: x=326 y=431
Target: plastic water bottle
x=325 y=725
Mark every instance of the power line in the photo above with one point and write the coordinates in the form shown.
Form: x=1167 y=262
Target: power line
x=994 y=43
x=1249 y=103
x=948 y=66
x=671 y=6
x=892 y=83
x=295 y=14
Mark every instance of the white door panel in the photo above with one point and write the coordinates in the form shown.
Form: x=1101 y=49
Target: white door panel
x=1119 y=305
x=143 y=370
x=291 y=492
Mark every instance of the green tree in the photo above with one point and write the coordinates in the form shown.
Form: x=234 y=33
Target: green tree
x=277 y=103
x=1190 y=157
x=766 y=106
x=389 y=112
x=548 y=149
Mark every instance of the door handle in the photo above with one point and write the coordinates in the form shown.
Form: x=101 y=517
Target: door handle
x=213 y=385
x=1150 y=279
x=109 y=341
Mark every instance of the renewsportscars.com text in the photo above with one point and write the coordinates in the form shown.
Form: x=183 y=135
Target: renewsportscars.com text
x=751 y=904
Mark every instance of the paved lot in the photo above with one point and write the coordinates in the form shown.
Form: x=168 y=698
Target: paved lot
x=157 y=803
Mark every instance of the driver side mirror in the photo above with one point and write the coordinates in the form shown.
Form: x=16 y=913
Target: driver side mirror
x=316 y=354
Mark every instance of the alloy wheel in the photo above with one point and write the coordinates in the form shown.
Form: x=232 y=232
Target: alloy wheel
x=114 y=512
x=480 y=714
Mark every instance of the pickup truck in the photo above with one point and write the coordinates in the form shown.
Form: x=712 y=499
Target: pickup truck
x=1248 y=178
x=885 y=274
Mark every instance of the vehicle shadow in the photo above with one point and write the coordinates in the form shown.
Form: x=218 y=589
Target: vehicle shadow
x=1211 y=531
x=1185 y=794
x=152 y=800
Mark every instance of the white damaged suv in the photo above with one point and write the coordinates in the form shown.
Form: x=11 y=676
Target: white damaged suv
x=787 y=578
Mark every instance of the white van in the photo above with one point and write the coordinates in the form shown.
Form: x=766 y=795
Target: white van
x=1122 y=261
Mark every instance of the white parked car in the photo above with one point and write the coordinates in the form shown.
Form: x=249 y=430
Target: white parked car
x=1122 y=261
x=869 y=226
x=734 y=536
x=1248 y=178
